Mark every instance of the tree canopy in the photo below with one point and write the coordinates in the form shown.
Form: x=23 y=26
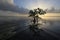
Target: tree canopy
x=35 y=14
x=37 y=11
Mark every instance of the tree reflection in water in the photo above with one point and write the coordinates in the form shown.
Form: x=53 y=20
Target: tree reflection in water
x=34 y=27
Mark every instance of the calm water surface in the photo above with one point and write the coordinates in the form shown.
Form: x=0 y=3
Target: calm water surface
x=50 y=21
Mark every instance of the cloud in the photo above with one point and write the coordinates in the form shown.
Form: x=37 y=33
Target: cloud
x=8 y=5
x=53 y=10
x=6 y=1
x=8 y=13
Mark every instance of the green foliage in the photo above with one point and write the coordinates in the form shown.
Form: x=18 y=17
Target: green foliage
x=32 y=13
x=41 y=11
x=36 y=11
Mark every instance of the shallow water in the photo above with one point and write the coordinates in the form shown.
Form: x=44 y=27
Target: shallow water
x=50 y=21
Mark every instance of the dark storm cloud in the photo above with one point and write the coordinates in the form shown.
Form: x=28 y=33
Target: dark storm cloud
x=8 y=5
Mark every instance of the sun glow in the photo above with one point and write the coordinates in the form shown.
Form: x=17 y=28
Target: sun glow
x=42 y=7
x=49 y=16
x=39 y=5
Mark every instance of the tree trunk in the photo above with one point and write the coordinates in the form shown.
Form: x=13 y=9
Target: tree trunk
x=37 y=20
x=34 y=20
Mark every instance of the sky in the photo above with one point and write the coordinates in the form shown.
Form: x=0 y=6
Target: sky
x=31 y=4
x=14 y=5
